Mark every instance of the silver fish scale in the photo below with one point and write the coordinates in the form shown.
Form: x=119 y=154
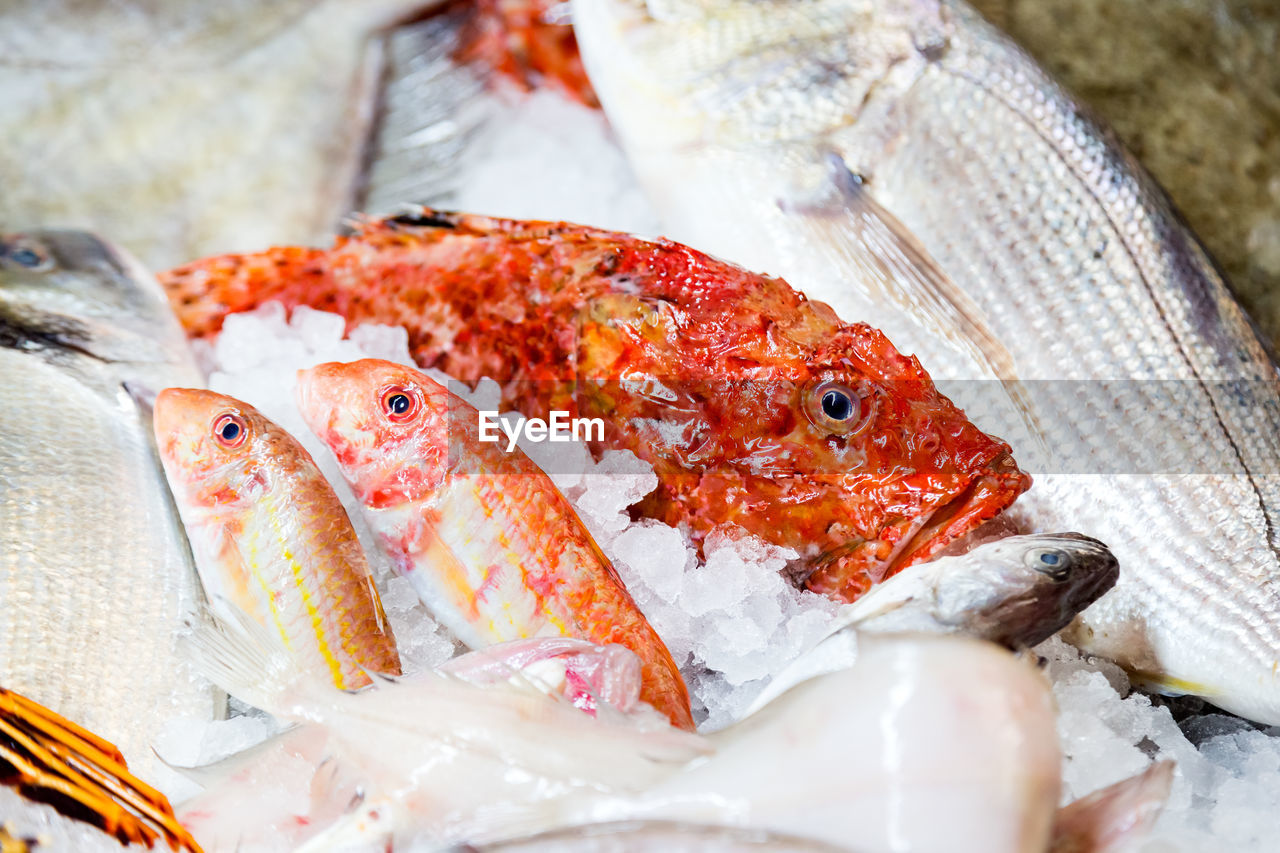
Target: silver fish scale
x=1082 y=270
x=1159 y=407
x=95 y=576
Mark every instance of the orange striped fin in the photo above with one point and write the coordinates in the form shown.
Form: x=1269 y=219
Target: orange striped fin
x=52 y=760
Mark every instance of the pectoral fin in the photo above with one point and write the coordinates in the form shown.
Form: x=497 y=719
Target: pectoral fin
x=886 y=258
x=1114 y=818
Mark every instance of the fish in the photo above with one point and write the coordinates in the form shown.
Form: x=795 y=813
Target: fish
x=429 y=755
x=277 y=794
x=1016 y=591
x=270 y=536
x=756 y=407
x=896 y=751
x=264 y=137
x=490 y=545
x=48 y=758
x=983 y=766
x=96 y=575
x=906 y=159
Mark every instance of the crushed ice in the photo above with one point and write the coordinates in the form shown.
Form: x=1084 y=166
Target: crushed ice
x=731 y=619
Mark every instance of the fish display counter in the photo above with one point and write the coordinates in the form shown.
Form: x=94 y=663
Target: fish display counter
x=820 y=432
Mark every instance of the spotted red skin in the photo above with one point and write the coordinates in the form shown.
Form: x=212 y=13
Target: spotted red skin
x=542 y=306
x=518 y=39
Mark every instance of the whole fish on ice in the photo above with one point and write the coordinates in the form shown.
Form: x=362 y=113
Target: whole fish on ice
x=489 y=543
x=437 y=759
x=1017 y=591
x=903 y=159
x=755 y=406
x=96 y=575
x=270 y=536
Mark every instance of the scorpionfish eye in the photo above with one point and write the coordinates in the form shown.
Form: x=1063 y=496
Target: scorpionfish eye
x=838 y=409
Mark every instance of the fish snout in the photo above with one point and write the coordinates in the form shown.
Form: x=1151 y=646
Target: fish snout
x=1085 y=564
x=317 y=391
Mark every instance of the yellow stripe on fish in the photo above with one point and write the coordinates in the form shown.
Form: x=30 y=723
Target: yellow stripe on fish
x=242 y=482
x=488 y=542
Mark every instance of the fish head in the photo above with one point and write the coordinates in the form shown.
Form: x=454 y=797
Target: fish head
x=800 y=422
x=684 y=73
x=72 y=291
x=1021 y=590
x=896 y=469
x=218 y=452
x=387 y=425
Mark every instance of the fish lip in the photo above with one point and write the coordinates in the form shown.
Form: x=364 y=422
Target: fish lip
x=984 y=498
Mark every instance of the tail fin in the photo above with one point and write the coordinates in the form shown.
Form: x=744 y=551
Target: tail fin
x=1114 y=818
x=247 y=661
x=80 y=774
x=202 y=293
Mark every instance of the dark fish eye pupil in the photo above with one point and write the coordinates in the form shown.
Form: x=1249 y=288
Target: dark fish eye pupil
x=230 y=431
x=837 y=406
x=398 y=404
x=1049 y=558
x=25 y=257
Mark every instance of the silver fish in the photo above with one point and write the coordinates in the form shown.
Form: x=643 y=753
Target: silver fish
x=1017 y=591
x=904 y=161
x=187 y=128
x=96 y=576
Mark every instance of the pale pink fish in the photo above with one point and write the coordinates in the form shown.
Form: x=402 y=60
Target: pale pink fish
x=270 y=536
x=490 y=545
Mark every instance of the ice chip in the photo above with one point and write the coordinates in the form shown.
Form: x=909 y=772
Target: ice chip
x=386 y=342
x=317 y=329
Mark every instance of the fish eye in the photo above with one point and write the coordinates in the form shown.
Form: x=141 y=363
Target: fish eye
x=230 y=430
x=399 y=404
x=26 y=253
x=838 y=409
x=1050 y=561
x=837 y=405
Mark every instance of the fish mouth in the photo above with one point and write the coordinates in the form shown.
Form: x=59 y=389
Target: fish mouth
x=986 y=496
x=849 y=572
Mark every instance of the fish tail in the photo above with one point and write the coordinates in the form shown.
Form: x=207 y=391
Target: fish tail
x=202 y=293
x=52 y=755
x=253 y=665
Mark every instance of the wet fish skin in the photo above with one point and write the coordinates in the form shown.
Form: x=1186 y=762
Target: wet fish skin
x=735 y=368
x=96 y=575
x=271 y=537
x=436 y=759
x=186 y=127
x=965 y=770
x=799 y=135
x=1017 y=591
x=490 y=544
